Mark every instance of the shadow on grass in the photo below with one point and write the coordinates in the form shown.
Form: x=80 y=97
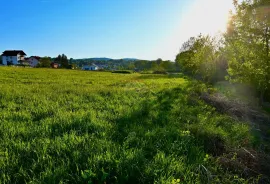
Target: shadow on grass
x=150 y=129
x=161 y=76
x=151 y=141
x=155 y=127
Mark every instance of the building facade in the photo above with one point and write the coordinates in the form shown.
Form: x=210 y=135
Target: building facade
x=90 y=67
x=33 y=60
x=12 y=57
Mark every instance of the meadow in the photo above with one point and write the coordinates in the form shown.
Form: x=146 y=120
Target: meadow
x=67 y=126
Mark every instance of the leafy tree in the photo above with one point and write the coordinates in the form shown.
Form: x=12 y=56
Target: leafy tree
x=58 y=59
x=205 y=58
x=159 y=61
x=131 y=66
x=182 y=60
x=44 y=62
x=186 y=54
x=167 y=65
x=198 y=56
x=154 y=66
x=141 y=64
x=72 y=66
x=247 y=44
x=71 y=60
x=64 y=61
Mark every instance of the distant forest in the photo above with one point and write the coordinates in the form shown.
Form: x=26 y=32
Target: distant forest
x=127 y=64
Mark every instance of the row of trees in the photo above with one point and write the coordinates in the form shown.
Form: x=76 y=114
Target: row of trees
x=62 y=60
x=45 y=62
x=158 y=65
x=241 y=55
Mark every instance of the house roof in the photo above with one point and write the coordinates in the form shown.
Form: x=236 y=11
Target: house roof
x=36 y=57
x=13 y=53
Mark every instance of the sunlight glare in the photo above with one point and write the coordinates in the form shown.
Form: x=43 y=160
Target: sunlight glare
x=206 y=17
x=202 y=16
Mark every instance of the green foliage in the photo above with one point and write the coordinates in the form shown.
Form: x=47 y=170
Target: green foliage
x=159 y=61
x=23 y=63
x=160 y=72
x=68 y=126
x=122 y=71
x=131 y=66
x=167 y=65
x=247 y=44
x=72 y=66
x=63 y=61
x=109 y=64
x=154 y=66
x=142 y=64
x=158 y=65
x=198 y=56
x=44 y=62
x=242 y=54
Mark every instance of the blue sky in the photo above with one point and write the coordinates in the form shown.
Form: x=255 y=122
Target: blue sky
x=145 y=29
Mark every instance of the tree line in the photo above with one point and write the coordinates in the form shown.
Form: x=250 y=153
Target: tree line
x=156 y=65
x=61 y=60
x=240 y=55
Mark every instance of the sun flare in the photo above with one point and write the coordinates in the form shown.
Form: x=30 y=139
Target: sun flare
x=201 y=16
x=208 y=16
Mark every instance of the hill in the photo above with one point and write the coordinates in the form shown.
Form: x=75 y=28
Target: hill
x=111 y=63
x=98 y=59
x=105 y=59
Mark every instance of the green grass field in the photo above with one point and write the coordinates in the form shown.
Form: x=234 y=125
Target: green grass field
x=65 y=126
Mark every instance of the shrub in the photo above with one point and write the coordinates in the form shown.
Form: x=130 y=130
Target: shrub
x=160 y=72
x=122 y=71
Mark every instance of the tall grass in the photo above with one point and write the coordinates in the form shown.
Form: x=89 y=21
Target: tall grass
x=64 y=126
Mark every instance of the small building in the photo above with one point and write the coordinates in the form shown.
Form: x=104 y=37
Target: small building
x=102 y=66
x=54 y=65
x=33 y=60
x=90 y=67
x=12 y=57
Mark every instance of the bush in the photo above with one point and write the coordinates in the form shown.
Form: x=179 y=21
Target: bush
x=160 y=72
x=146 y=72
x=122 y=71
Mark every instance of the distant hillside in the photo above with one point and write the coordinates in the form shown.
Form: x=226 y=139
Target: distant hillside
x=108 y=59
x=108 y=62
x=99 y=59
x=130 y=59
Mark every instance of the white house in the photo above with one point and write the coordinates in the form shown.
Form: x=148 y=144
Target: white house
x=90 y=67
x=33 y=60
x=12 y=57
x=100 y=66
